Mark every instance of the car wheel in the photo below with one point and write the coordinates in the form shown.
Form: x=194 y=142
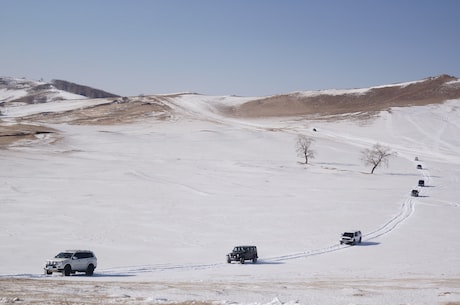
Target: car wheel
x=360 y=240
x=242 y=260
x=254 y=260
x=90 y=270
x=48 y=272
x=67 y=270
x=228 y=259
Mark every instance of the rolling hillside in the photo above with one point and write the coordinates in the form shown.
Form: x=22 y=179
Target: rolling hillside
x=162 y=187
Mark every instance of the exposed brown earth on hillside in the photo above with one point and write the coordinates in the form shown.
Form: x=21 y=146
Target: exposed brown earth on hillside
x=12 y=133
x=358 y=105
x=119 y=111
x=431 y=91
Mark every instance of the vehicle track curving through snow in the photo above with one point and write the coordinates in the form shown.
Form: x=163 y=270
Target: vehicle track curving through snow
x=406 y=210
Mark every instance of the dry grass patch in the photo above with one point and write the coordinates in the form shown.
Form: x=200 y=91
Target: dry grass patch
x=119 y=111
x=10 y=134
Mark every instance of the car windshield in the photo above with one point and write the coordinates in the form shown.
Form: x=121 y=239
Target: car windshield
x=348 y=234
x=64 y=255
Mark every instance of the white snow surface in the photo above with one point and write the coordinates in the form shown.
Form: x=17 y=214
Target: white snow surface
x=165 y=201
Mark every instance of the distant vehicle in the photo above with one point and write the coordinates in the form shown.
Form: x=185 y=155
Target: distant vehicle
x=419 y=166
x=416 y=158
x=351 y=238
x=72 y=261
x=242 y=254
x=414 y=193
x=421 y=182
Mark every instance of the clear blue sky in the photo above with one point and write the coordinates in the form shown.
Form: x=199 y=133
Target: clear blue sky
x=241 y=47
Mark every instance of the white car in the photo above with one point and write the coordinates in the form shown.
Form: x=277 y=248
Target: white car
x=71 y=261
x=351 y=237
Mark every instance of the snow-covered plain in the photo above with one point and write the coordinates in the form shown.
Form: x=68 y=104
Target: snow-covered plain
x=162 y=202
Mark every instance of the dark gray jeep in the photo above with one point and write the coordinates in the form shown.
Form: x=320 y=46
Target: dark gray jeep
x=243 y=253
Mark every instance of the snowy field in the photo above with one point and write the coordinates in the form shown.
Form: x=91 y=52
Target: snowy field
x=162 y=202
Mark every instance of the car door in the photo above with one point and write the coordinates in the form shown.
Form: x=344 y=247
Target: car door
x=78 y=261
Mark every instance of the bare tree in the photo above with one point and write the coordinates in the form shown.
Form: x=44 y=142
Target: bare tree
x=376 y=156
x=303 y=147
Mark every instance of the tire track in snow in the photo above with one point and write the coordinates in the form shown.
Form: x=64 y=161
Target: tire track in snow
x=135 y=270
x=406 y=210
x=304 y=254
x=163 y=180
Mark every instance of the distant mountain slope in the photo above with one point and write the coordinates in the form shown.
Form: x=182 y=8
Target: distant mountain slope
x=81 y=90
x=24 y=101
x=333 y=102
x=26 y=106
x=23 y=91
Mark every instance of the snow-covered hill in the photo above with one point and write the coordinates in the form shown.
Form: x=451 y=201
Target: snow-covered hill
x=23 y=91
x=161 y=200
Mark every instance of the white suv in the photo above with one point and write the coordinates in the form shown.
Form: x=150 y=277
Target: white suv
x=71 y=261
x=351 y=238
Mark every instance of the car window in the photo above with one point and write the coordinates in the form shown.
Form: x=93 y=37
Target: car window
x=64 y=255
